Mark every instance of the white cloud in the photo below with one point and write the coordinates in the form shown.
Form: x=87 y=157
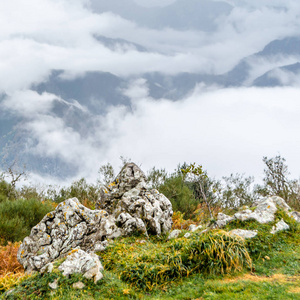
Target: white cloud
x=226 y=130
x=37 y=36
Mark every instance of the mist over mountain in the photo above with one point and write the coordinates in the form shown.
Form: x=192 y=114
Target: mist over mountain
x=181 y=15
x=86 y=82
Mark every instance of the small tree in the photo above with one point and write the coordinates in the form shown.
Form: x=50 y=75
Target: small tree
x=107 y=173
x=201 y=184
x=276 y=181
x=156 y=177
x=237 y=191
x=178 y=192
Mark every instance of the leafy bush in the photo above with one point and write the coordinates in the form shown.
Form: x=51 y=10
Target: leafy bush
x=19 y=216
x=5 y=190
x=181 y=197
x=179 y=221
x=86 y=193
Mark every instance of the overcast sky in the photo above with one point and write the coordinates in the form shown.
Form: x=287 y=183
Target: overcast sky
x=226 y=130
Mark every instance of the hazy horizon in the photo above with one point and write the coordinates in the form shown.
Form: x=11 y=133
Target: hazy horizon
x=227 y=129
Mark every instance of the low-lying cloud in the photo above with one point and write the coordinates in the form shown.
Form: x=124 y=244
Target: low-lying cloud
x=226 y=130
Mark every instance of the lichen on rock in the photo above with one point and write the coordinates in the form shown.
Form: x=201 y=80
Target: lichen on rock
x=70 y=226
x=135 y=207
x=129 y=208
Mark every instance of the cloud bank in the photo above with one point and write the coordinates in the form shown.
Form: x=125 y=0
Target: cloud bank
x=226 y=130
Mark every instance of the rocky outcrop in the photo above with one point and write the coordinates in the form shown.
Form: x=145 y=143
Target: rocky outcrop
x=263 y=213
x=129 y=208
x=135 y=207
x=265 y=210
x=70 y=226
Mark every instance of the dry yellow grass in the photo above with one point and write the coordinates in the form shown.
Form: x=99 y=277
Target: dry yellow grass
x=8 y=259
x=255 y=278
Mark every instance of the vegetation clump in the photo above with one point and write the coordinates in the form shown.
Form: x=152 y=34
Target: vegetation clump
x=149 y=265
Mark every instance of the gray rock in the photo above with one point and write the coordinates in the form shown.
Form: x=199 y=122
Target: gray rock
x=78 y=285
x=243 y=215
x=280 y=226
x=53 y=285
x=194 y=228
x=265 y=210
x=187 y=235
x=78 y=261
x=223 y=219
x=174 y=234
x=48 y=268
x=100 y=246
x=130 y=208
x=296 y=216
x=70 y=226
x=245 y=234
x=136 y=208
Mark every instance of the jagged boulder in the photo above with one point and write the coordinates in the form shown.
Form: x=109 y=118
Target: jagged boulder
x=265 y=210
x=263 y=213
x=129 y=207
x=135 y=207
x=70 y=226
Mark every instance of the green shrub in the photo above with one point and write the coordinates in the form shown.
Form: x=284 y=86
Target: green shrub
x=86 y=193
x=19 y=216
x=216 y=252
x=5 y=190
x=148 y=265
x=181 y=197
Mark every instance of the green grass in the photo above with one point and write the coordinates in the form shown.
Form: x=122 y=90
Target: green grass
x=156 y=264
x=187 y=269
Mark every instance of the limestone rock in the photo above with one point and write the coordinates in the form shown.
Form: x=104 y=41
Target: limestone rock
x=130 y=208
x=194 y=228
x=245 y=234
x=70 y=226
x=280 y=226
x=243 y=215
x=78 y=285
x=174 y=234
x=53 y=285
x=100 y=246
x=265 y=210
x=296 y=216
x=187 y=235
x=136 y=208
x=223 y=219
x=48 y=268
x=79 y=261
